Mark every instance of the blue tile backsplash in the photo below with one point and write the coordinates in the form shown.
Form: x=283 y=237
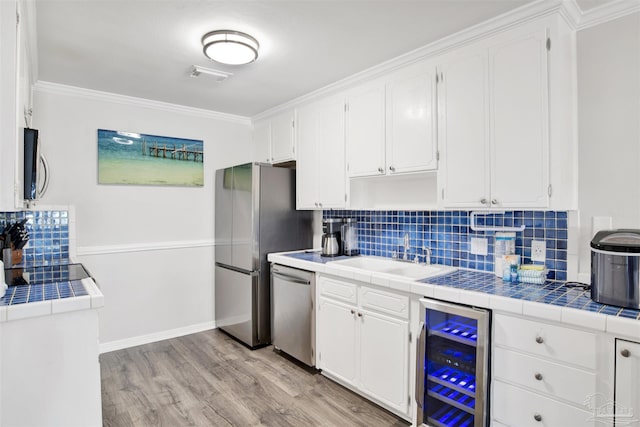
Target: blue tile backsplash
x=48 y=235
x=448 y=235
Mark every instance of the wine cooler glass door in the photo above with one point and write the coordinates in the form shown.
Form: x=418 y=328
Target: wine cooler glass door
x=452 y=380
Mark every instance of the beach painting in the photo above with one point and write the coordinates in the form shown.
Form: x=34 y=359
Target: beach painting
x=139 y=159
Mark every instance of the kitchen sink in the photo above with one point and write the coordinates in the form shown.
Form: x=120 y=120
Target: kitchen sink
x=393 y=267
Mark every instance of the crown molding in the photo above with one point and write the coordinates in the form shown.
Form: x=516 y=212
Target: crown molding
x=528 y=12
x=60 y=89
x=607 y=12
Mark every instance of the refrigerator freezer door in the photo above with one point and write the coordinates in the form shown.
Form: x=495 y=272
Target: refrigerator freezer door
x=244 y=186
x=235 y=308
x=224 y=215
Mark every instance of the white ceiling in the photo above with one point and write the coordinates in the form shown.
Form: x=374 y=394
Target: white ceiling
x=146 y=48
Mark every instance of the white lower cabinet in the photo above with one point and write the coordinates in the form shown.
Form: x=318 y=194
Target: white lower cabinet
x=627 y=384
x=364 y=349
x=337 y=339
x=515 y=406
x=543 y=374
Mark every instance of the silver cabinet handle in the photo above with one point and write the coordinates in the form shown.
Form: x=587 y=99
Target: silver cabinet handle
x=537 y=417
x=494 y=201
x=359 y=314
x=625 y=353
x=381 y=170
x=316 y=204
x=539 y=339
x=392 y=169
x=319 y=204
x=538 y=376
x=483 y=201
x=352 y=311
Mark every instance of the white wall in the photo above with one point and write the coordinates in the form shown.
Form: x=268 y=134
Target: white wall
x=608 y=127
x=150 y=248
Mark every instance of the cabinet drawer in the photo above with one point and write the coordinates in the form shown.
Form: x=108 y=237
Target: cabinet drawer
x=557 y=342
x=547 y=377
x=384 y=302
x=514 y=406
x=337 y=289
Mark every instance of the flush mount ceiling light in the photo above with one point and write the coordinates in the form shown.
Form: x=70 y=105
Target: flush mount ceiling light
x=230 y=47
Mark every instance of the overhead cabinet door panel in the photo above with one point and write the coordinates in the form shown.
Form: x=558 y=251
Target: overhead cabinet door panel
x=366 y=131
x=462 y=125
x=519 y=125
x=411 y=137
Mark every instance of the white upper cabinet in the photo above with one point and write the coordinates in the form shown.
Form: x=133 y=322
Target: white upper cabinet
x=494 y=122
x=411 y=131
x=519 y=126
x=274 y=138
x=283 y=143
x=262 y=141
x=366 y=130
x=391 y=123
x=463 y=129
x=321 y=174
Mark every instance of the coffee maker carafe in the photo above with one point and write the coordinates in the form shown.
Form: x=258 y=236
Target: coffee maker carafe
x=349 y=237
x=331 y=236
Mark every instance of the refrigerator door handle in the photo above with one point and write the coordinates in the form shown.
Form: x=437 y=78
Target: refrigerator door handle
x=419 y=389
x=236 y=269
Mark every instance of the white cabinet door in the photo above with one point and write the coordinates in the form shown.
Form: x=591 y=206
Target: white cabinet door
x=262 y=142
x=411 y=107
x=321 y=175
x=9 y=114
x=365 y=131
x=463 y=132
x=307 y=164
x=520 y=121
x=337 y=339
x=283 y=137
x=330 y=152
x=384 y=342
x=627 y=390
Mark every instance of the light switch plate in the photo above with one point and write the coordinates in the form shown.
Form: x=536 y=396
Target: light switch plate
x=538 y=250
x=479 y=246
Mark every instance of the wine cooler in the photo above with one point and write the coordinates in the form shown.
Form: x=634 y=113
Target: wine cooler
x=452 y=380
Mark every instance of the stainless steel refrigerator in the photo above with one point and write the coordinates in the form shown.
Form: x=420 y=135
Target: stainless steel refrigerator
x=255 y=214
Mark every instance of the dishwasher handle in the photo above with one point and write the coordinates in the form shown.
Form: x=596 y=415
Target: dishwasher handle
x=290 y=278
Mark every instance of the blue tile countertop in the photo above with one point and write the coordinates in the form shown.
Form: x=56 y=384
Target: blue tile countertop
x=41 y=290
x=553 y=293
x=556 y=294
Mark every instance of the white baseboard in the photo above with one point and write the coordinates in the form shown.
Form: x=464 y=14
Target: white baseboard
x=156 y=336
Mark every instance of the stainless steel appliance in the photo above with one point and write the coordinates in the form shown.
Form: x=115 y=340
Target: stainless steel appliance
x=254 y=215
x=452 y=378
x=615 y=268
x=293 y=327
x=349 y=232
x=331 y=236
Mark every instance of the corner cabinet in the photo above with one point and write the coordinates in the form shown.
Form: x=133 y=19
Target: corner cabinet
x=321 y=174
x=274 y=138
x=494 y=122
x=391 y=124
x=363 y=340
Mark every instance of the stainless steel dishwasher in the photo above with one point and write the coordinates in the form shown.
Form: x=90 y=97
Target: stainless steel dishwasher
x=293 y=326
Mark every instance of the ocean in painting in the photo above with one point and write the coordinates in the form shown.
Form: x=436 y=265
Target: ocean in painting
x=139 y=159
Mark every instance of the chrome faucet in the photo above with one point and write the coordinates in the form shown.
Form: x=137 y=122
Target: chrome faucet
x=427 y=257
x=406 y=246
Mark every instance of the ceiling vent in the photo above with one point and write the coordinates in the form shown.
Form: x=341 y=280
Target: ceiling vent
x=218 y=75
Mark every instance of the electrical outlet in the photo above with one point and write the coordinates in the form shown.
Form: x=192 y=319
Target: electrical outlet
x=479 y=246
x=538 y=250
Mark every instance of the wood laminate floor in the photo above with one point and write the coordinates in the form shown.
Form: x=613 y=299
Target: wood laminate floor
x=209 y=379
